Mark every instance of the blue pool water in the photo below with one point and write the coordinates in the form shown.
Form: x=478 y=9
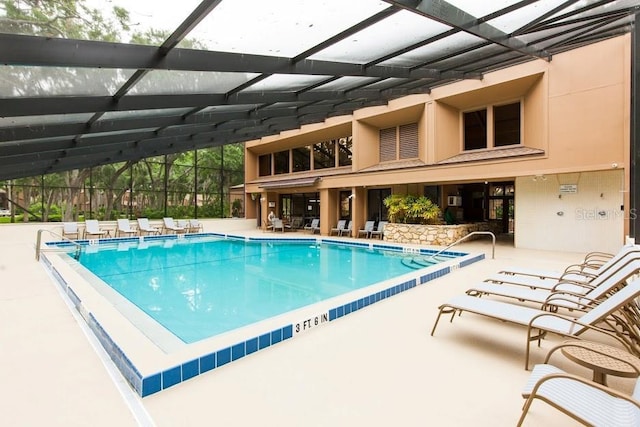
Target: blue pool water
x=198 y=288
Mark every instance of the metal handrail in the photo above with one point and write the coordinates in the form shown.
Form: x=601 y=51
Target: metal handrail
x=39 y=241
x=493 y=250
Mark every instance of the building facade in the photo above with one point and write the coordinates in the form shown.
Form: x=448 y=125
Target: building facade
x=540 y=150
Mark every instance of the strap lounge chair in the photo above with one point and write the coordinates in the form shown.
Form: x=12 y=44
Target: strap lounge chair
x=583 y=400
x=539 y=322
x=577 y=277
x=368 y=228
x=314 y=226
x=70 y=230
x=379 y=231
x=145 y=228
x=565 y=294
x=124 y=228
x=339 y=227
x=170 y=225
x=92 y=229
x=592 y=261
x=584 y=271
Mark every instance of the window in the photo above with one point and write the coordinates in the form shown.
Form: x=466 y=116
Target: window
x=345 y=205
x=301 y=159
x=506 y=124
x=281 y=162
x=475 y=130
x=400 y=142
x=344 y=151
x=264 y=165
x=324 y=155
x=501 y=121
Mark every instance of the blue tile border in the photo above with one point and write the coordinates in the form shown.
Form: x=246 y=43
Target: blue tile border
x=156 y=382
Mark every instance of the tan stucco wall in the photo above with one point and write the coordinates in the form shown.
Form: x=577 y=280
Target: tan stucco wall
x=575 y=108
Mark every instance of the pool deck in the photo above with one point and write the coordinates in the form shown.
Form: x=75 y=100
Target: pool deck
x=375 y=367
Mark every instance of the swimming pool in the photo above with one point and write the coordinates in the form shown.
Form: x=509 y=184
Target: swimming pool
x=152 y=359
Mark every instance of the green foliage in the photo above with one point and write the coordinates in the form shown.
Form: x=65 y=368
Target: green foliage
x=410 y=209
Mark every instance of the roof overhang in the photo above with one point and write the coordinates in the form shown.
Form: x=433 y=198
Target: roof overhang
x=288 y=183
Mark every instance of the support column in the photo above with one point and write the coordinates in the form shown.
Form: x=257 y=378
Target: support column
x=634 y=173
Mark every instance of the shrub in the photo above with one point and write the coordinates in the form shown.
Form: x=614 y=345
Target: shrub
x=409 y=209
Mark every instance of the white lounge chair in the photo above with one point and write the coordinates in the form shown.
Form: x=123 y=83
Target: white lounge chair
x=340 y=226
x=346 y=231
x=542 y=321
x=124 y=227
x=92 y=229
x=577 y=272
x=592 y=262
x=583 y=400
x=379 y=231
x=314 y=226
x=566 y=295
x=145 y=228
x=195 y=226
x=70 y=230
x=278 y=225
x=170 y=225
x=368 y=228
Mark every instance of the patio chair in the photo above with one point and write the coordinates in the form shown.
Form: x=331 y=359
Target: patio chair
x=124 y=227
x=314 y=226
x=92 y=229
x=278 y=225
x=70 y=230
x=583 y=400
x=566 y=294
x=543 y=322
x=195 y=226
x=145 y=227
x=346 y=231
x=368 y=228
x=168 y=224
x=341 y=224
x=379 y=231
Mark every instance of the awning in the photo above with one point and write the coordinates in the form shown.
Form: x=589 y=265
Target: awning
x=287 y=183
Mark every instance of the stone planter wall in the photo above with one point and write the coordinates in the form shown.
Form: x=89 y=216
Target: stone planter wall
x=439 y=235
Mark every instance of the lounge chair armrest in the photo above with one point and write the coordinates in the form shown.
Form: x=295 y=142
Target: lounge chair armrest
x=578 y=323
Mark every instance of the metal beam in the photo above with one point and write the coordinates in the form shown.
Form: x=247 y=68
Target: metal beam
x=452 y=16
x=57 y=52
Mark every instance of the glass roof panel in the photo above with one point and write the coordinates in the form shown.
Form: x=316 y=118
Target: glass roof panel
x=44 y=120
x=386 y=83
x=606 y=8
x=512 y=21
x=286 y=82
x=279 y=27
x=229 y=108
x=134 y=114
x=69 y=19
x=150 y=21
x=481 y=8
x=568 y=31
x=435 y=50
x=346 y=83
x=397 y=31
x=17 y=81
x=176 y=82
x=458 y=62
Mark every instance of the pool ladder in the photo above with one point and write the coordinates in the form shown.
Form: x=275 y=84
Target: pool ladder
x=39 y=243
